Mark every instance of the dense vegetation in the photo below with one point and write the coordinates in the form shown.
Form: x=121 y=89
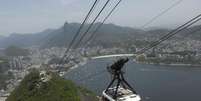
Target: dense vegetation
x=57 y=89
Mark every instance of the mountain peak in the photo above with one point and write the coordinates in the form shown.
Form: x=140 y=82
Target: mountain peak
x=66 y=24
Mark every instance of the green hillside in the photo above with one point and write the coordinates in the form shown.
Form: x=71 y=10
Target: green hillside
x=56 y=89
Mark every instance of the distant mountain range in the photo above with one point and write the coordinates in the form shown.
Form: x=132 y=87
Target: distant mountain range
x=23 y=40
x=109 y=34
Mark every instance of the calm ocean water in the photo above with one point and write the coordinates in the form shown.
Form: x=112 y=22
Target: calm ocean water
x=152 y=82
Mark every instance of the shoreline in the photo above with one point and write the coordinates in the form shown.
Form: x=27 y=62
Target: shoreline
x=172 y=64
x=158 y=64
x=75 y=66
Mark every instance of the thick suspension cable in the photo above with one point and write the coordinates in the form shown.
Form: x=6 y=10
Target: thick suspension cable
x=91 y=25
x=167 y=37
x=186 y=35
x=180 y=27
x=171 y=34
x=152 y=45
x=101 y=24
x=78 y=31
x=143 y=26
x=103 y=71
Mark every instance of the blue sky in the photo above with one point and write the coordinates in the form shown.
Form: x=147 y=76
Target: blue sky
x=29 y=16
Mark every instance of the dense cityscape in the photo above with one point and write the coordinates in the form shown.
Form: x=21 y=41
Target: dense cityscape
x=100 y=50
x=21 y=63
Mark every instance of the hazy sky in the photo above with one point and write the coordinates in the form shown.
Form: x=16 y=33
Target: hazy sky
x=29 y=16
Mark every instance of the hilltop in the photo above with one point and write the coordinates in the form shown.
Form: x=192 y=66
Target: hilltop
x=47 y=86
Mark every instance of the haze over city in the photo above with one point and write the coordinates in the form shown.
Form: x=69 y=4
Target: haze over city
x=30 y=16
x=100 y=50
